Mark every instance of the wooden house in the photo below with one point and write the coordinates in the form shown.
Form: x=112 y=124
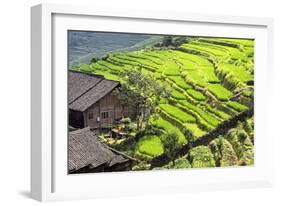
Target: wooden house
x=87 y=154
x=92 y=102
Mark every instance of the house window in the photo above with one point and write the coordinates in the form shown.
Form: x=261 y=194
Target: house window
x=104 y=115
x=91 y=115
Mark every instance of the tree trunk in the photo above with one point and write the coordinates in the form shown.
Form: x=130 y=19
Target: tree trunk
x=147 y=121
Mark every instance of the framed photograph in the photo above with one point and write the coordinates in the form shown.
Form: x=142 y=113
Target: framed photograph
x=137 y=102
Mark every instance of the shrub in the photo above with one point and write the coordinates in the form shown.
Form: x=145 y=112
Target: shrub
x=180 y=163
x=126 y=120
x=171 y=144
x=223 y=152
x=242 y=145
x=201 y=157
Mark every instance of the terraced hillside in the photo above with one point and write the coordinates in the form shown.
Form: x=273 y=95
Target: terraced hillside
x=211 y=81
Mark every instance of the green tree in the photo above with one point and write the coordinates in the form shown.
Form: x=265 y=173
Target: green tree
x=143 y=93
x=171 y=144
x=94 y=60
x=167 y=41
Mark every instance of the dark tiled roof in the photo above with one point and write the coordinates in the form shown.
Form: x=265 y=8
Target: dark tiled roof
x=90 y=92
x=79 y=83
x=85 y=149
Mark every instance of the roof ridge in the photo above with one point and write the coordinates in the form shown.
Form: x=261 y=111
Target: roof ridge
x=86 y=73
x=114 y=85
x=80 y=130
x=85 y=91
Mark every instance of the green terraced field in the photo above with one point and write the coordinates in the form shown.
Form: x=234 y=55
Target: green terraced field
x=220 y=92
x=150 y=146
x=177 y=113
x=167 y=126
x=211 y=80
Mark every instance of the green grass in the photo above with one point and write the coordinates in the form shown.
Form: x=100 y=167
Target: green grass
x=236 y=106
x=234 y=53
x=199 y=75
x=167 y=126
x=178 y=95
x=171 y=68
x=240 y=73
x=105 y=64
x=216 y=112
x=210 y=119
x=150 y=145
x=220 y=92
x=179 y=81
x=178 y=113
x=210 y=50
x=192 y=58
x=85 y=68
x=196 y=95
x=244 y=42
x=196 y=131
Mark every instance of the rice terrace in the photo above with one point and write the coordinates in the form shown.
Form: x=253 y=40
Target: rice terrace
x=151 y=102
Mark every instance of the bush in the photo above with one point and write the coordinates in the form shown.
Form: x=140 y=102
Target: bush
x=171 y=144
x=94 y=60
x=180 y=163
x=126 y=120
x=223 y=152
x=201 y=157
x=242 y=145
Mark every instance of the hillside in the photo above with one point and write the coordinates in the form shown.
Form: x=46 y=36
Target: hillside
x=83 y=45
x=211 y=81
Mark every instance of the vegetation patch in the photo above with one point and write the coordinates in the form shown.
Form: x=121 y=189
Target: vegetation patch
x=178 y=113
x=196 y=131
x=167 y=126
x=149 y=145
x=201 y=157
x=178 y=95
x=223 y=153
x=237 y=106
x=196 y=95
x=181 y=89
x=220 y=92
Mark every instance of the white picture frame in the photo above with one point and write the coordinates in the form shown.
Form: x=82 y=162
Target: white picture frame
x=49 y=179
